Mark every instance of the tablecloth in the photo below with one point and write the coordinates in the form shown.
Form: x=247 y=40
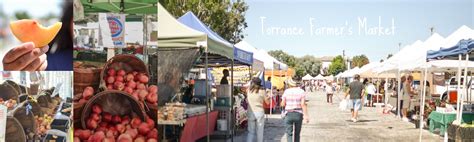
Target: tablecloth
x=441 y=120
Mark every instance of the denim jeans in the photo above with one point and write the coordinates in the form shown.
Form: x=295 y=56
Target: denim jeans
x=296 y=119
x=256 y=123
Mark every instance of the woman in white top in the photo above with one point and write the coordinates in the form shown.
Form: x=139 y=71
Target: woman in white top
x=255 y=113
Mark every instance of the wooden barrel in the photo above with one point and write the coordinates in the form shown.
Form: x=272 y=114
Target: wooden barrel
x=14 y=131
x=126 y=62
x=84 y=76
x=8 y=92
x=27 y=121
x=114 y=102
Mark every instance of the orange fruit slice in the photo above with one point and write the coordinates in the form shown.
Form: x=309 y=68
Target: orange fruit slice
x=31 y=31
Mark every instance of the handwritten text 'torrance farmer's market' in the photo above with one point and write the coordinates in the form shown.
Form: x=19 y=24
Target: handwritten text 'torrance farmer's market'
x=363 y=28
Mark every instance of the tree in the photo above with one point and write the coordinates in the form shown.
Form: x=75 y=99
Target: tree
x=359 y=61
x=22 y=15
x=337 y=65
x=307 y=65
x=284 y=57
x=226 y=17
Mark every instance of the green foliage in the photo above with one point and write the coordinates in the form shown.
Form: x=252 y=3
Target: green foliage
x=337 y=65
x=22 y=15
x=284 y=57
x=225 y=17
x=304 y=65
x=359 y=61
x=308 y=65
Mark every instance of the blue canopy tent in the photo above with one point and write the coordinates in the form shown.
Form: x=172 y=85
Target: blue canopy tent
x=218 y=47
x=462 y=48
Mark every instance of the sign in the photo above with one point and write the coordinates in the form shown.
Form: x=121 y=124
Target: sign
x=115 y=25
x=243 y=56
x=105 y=38
x=3 y=122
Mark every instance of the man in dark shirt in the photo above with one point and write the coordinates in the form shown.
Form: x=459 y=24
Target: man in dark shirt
x=356 y=88
x=224 y=78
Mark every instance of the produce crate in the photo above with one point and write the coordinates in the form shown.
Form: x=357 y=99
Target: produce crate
x=461 y=134
x=60 y=124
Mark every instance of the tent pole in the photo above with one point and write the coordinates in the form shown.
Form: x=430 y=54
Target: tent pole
x=458 y=121
x=207 y=96
x=398 y=94
x=422 y=106
x=465 y=86
x=231 y=102
x=385 y=87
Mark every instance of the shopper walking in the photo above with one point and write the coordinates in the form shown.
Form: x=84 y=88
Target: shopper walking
x=356 y=88
x=256 y=98
x=329 y=92
x=294 y=102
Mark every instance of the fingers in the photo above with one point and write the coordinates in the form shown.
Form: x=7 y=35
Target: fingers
x=33 y=66
x=18 y=51
x=23 y=61
x=43 y=66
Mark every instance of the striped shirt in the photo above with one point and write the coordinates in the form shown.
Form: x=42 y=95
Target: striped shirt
x=292 y=98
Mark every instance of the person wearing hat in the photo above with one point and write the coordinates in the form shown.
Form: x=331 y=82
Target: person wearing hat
x=256 y=121
x=355 y=91
x=294 y=102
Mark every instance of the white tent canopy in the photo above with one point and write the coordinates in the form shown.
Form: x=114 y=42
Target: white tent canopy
x=391 y=64
x=319 y=77
x=415 y=58
x=351 y=72
x=307 y=77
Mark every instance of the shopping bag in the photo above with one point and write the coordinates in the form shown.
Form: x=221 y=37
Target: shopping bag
x=343 y=105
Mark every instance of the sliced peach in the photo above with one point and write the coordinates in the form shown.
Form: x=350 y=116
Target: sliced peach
x=31 y=31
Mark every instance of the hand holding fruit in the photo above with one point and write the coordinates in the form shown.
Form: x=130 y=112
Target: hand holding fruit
x=26 y=57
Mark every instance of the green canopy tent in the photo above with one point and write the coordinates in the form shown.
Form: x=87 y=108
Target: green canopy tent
x=136 y=10
x=120 y=6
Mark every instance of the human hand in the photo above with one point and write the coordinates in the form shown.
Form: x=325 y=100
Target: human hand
x=306 y=119
x=25 y=57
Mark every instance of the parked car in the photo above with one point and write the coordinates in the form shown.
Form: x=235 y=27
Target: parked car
x=450 y=95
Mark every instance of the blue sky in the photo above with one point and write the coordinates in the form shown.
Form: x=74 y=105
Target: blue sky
x=411 y=21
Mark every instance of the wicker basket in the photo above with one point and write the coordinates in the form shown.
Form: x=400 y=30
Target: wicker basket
x=15 y=132
x=123 y=61
x=27 y=121
x=84 y=76
x=114 y=102
x=8 y=92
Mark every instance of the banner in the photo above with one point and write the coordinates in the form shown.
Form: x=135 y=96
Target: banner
x=3 y=122
x=115 y=25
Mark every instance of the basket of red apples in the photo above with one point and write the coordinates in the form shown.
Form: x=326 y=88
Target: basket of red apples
x=129 y=74
x=113 y=115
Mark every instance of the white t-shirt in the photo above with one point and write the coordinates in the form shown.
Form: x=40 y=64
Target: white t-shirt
x=329 y=89
x=371 y=89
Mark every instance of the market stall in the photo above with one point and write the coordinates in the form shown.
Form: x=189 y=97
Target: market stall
x=207 y=52
x=42 y=116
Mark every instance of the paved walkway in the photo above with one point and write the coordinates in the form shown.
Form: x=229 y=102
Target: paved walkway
x=328 y=123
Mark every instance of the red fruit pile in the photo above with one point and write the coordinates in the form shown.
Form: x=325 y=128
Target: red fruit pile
x=134 y=83
x=104 y=127
x=85 y=95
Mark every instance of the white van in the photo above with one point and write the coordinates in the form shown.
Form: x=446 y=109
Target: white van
x=451 y=90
